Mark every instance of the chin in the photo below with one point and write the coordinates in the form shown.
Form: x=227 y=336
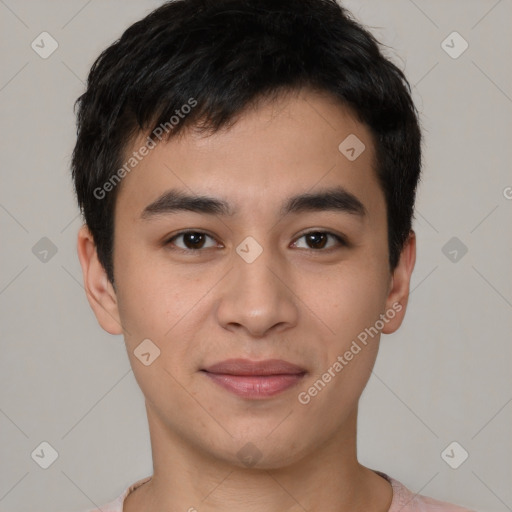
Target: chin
x=264 y=452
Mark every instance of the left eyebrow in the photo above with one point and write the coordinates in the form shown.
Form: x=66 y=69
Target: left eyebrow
x=333 y=199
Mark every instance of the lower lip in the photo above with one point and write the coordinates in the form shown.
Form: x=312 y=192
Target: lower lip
x=255 y=386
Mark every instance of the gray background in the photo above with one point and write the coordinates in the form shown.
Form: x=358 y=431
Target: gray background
x=444 y=376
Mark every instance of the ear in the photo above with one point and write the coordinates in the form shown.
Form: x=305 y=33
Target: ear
x=99 y=290
x=398 y=295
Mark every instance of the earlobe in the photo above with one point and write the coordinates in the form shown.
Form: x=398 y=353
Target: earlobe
x=396 y=302
x=99 y=290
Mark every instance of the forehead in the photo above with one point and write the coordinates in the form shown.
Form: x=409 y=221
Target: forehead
x=298 y=143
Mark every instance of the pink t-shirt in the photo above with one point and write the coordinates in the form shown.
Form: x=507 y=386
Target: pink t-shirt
x=403 y=500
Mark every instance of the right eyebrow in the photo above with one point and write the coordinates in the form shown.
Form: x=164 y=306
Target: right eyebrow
x=175 y=200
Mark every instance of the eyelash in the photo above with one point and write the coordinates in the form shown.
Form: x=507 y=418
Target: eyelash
x=341 y=241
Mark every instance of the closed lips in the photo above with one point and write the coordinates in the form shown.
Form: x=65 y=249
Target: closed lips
x=246 y=367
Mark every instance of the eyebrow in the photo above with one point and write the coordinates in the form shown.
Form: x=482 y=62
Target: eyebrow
x=333 y=199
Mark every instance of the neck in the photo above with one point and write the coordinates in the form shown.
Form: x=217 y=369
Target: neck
x=186 y=479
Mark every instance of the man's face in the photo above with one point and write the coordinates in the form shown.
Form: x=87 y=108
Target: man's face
x=213 y=296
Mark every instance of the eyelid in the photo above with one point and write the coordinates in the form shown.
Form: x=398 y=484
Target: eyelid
x=169 y=240
x=341 y=239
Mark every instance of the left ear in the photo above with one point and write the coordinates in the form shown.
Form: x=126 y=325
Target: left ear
x=399 y=289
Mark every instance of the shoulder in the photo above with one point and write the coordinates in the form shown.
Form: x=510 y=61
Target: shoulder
x=405 y=500
x=117 y=504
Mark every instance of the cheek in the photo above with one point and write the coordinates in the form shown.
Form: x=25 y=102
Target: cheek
x=153 y=297
x=169 y=307
x=347 y=299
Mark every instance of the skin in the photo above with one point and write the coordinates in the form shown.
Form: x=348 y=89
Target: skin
x=294 y=302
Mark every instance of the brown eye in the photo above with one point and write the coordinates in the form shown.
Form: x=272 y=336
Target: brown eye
x=317 y=240
x=191 y=240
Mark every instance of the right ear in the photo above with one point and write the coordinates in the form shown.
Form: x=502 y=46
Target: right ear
x=99 y=290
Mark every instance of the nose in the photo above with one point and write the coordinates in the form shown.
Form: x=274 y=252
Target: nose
x=258 y=296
